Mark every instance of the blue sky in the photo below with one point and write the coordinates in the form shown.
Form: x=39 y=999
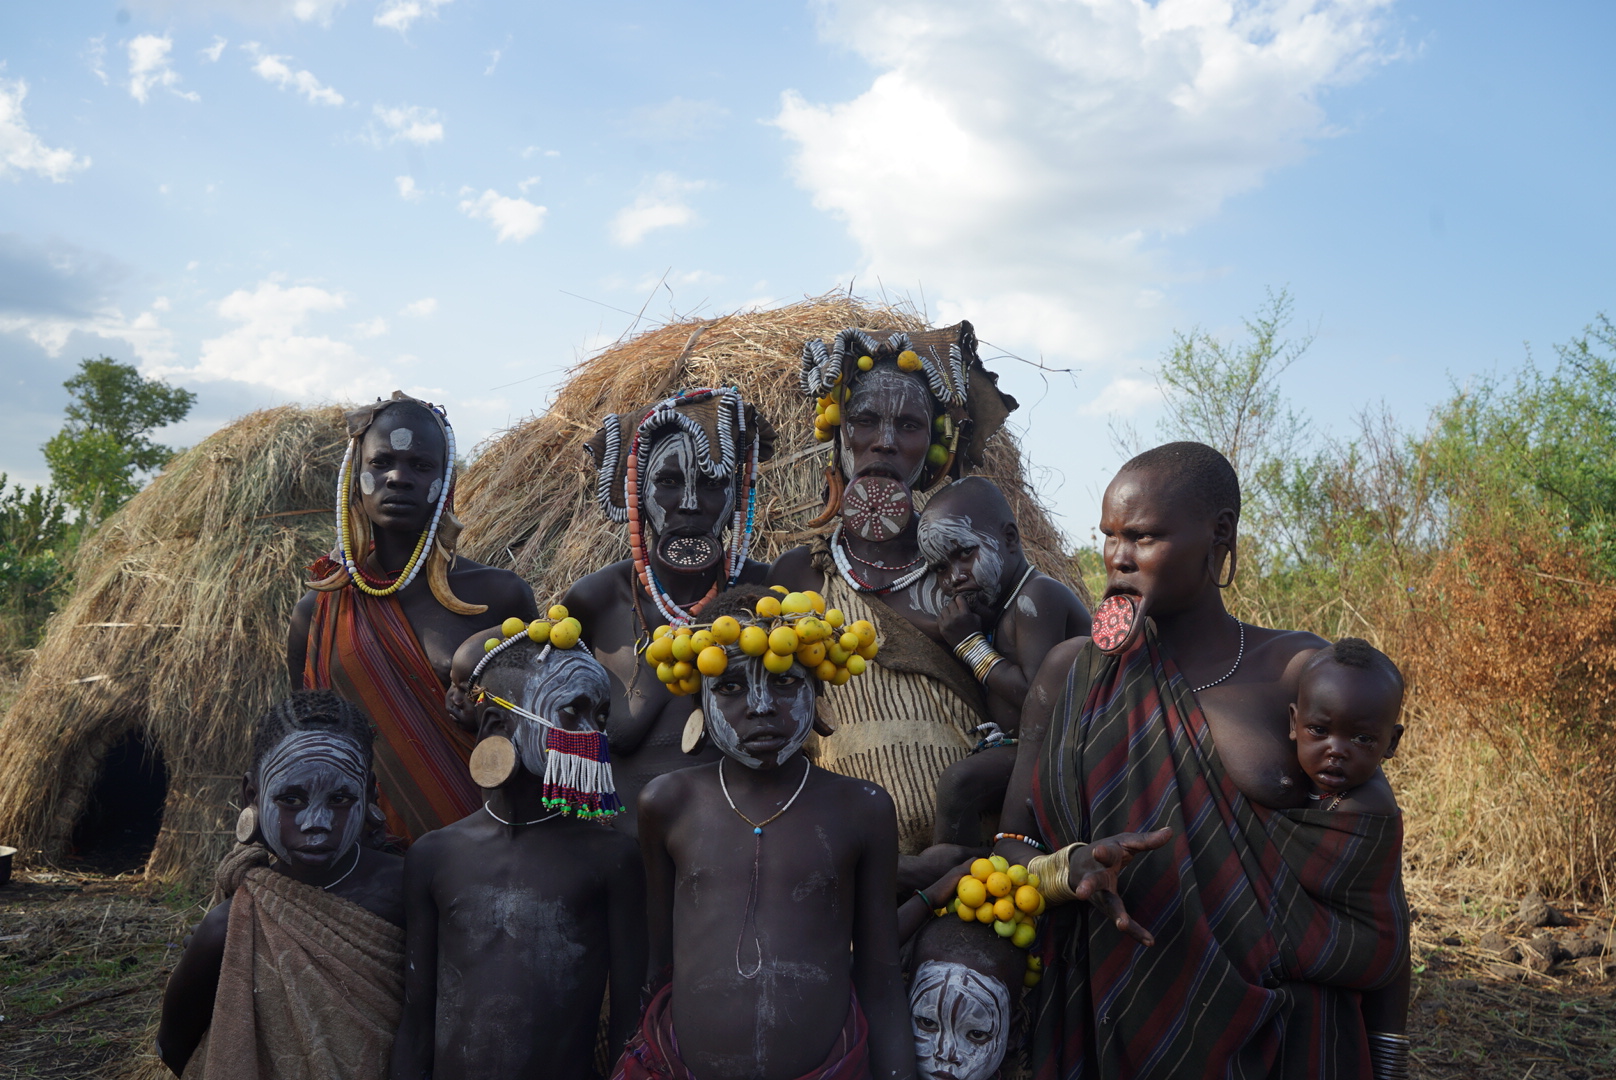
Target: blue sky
x=316 y=199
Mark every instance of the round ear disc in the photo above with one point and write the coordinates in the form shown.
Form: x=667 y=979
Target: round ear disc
x=1116 y=622
x=695 y=733
x=493 y=762
x=246 y=824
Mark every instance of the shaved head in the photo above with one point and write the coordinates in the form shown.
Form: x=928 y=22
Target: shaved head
x=977 y=498
x=1193 y=472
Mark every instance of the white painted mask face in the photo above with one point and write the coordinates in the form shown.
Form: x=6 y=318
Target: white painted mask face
x=943 y=536
x=746 y=687
x=674 y=455
x=570 y=690
x=318 y=775
x=888 y=393
x=961 y=1019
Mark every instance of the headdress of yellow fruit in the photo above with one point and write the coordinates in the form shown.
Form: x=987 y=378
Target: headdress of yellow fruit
x=1005 y=896
x=792 y=628
x=558 y=630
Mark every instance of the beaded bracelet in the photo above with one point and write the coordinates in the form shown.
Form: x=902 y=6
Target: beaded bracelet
x=1029 y=841
x=978 y=654
x=1388 y=1055
x=1054 y=873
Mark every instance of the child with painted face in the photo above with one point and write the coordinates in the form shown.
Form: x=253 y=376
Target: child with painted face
x=964 y=984
x=299 y=972
x=763 y=874
x=1344 y=724
x=519 y=912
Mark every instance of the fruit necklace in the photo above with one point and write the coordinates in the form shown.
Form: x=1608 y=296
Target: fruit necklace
x=757 y=862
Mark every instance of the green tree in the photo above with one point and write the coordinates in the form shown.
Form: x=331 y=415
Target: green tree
x=33 y=538
x=106 y=441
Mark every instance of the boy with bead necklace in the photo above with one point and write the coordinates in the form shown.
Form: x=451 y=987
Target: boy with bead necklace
x=794 y=864
x=519 y=913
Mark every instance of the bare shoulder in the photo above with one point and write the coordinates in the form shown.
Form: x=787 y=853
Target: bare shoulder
x=207 y=939
x=501 y=590
x=597 y=591
x=1047 y=599
x=664 y=796
x=755 y=573
x=304 y=608
x=607 y=847
x=795 y=570
x=431 y=848
x=1281 y=654
x=866 y=803
x=1052 y=671
x=1374 y=797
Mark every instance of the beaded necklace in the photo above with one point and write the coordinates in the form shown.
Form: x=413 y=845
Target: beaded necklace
x=839 y=554
x=741 y=528
x=380 y=587
x=1238 y=656
x=535 y=821
x=757 y=863
x=355 y=866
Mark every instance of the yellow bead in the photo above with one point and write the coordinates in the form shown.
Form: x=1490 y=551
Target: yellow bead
x=682 y=649
x=754 y=641
x=865 y=363
x=683 y=670
x=835 y=618
x=512 y=626
x=565 y=634
x=783 y=640
x=1000 y=863
x=660 y=651
x=491 y=644
x=841 y=677
x=778 y=663
x=796 y=604
x=981 y=870
x=712 y=660
x=909 y=360
x=539 y=631
x=768 y=607
x=702 y=639
x=821 y=435
x=832 y=415
x=665 y=673
x=855 y=665
x=1027 y=899
x=726 y=630
x=812 y=655
x=558 y=612
x=661 y=632
x=825 y=670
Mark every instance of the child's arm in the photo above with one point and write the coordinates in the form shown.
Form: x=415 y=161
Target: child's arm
x=414 y=1044
x=921 y=907
x=1060 y=616
x=625 y=923
x=876 y=973
x=659 y=802
x=188 y=999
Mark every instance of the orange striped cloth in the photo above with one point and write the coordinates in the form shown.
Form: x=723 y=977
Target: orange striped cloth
x=362 y=647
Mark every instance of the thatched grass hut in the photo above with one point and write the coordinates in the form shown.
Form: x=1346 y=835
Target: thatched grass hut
x=528 y=498
x=173 y=641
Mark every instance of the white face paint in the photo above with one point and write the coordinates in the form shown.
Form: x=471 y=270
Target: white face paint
x=942 y=536
x=888 y=393
x=367 y=483
x=567 y=677
x=402 y=438
x=434 y=490
x=760 y=698
x=675 y=452
x=325 y=773
x=961 y=1019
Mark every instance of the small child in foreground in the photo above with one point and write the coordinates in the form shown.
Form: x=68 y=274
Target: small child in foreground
x=1344 y=724
x=518 y=913
x=764 y=873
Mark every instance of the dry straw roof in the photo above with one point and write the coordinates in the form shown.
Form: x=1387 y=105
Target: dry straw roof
x=177 y=625
x=528 y=500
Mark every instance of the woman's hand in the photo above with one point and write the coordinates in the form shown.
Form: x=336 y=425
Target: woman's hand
x=1093 y=871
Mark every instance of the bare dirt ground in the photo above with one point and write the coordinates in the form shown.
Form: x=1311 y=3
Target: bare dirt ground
x=83 y=958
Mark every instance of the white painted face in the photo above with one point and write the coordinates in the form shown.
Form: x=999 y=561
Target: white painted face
x=759 y=703
x=675 y=452
x=886 y=392
x=570 y=690
x=402 y=438
x=961 y=1019
x=325 y=773
x=943 y=536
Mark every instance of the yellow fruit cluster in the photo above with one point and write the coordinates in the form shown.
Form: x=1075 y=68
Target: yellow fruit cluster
x=1004 y=895
x=794 y=627
x=558 y=629
x=828 y=411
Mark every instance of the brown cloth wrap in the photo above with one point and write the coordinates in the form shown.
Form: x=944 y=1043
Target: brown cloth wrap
x=311 y=987
x=653 y=1052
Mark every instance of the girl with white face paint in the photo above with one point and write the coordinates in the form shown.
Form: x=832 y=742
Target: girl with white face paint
x=312 y=921
x=964 y=984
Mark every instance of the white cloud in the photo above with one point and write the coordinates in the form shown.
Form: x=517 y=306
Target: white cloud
x=216 y=50
x=420 y=309
x=493 y=60
x=531 y=181
x=661 y=205
x=534 y=151
x=270 y=348
x=1123 y=396
x=151 y=341
x=23 y=151
x=407 y=189
x=410 y=123
x=677 y=120
x=95 y=55
x=275 y=69
x=371 y=328
x=149 y=66
x=513 y=219
x=256 y=11
x=400 y=15
x=1019 y=162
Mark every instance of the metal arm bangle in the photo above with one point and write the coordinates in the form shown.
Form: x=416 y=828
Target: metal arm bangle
x=1388 y=1055
x=1054 y=874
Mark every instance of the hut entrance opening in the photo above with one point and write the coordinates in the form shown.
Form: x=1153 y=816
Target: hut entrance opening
x=119 y=825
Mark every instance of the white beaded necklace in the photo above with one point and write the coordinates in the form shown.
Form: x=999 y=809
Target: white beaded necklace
x=1238 y=656
x=854 y=582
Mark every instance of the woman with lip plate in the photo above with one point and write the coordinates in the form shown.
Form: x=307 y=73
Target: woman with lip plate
x=902 y=414
x=1264 y=938
x=299 y=973
x=390 y=605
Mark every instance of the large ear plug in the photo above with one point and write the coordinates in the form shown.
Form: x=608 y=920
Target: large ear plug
x=695 y=733
x=1117 y=622
x=493 y=762
x=824 y=718
x=246 y=824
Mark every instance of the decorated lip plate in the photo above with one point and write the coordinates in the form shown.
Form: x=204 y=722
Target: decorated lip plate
x=877 y=508
x=1115 y=622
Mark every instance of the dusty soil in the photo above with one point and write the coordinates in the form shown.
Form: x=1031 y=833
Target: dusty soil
x=83 y=958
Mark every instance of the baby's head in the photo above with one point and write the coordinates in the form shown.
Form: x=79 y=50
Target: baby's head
x=962 y=990
x=759 y=666
x=1344 y=719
